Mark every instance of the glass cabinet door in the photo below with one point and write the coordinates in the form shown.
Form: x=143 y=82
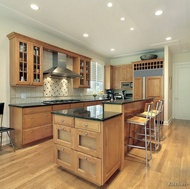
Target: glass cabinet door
x=37 y=65
x=82 y=65
x=23 y=62
x=88 y=73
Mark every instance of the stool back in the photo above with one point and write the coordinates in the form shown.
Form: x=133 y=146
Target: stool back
x=1 y=113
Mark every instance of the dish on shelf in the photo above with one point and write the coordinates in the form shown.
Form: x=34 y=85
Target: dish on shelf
x=148 y=56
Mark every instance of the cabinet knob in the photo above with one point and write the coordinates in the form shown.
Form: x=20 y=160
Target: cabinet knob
x=31 y=117
x=62 y=128
x=62 y=149
x=31 y=131
x=86 y=125
x=62 y=120
x=86 y=133
x=85 y=158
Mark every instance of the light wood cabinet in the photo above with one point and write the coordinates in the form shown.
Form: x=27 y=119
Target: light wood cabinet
x=81 y=65
x=108 y=74
x=138 y=88
x=116 y=77
x=31 y=124
x=25 y=61
x=154 y=87
x=126 y=73
x=96 y=154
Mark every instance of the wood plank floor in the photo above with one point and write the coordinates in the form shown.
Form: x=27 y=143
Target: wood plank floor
x=33 y=167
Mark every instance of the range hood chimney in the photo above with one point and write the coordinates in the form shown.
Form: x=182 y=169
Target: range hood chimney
x=59 y=69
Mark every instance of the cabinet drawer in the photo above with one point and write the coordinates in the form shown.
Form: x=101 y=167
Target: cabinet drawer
x=63 y=135
x=64 y=120
x=88 y=167
x=88 y=142
x=87 y=124
x=37 y=110
x=64 y=157
x=34 y=120
x=31 y=135
x=61 y=107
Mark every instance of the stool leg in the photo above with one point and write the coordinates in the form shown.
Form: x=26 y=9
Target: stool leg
x=11 y=141
x=1 y=138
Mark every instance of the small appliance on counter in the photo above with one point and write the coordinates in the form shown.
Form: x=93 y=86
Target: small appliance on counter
x=110 y=93
x=128 y=95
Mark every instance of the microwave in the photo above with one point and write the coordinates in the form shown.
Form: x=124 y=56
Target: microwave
x=126 y=85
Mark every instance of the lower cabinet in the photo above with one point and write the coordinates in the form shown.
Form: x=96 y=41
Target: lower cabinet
x=31 y=124
x=90 y=149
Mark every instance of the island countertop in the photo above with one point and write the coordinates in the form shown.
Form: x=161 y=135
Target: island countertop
x=95 y=112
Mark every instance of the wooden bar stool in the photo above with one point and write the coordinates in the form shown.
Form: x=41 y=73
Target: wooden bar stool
x=145 y=136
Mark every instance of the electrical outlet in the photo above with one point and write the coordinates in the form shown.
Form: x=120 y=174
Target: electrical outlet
x=23 y=95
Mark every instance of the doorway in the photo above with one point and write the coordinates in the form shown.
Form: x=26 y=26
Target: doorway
x=181 y=93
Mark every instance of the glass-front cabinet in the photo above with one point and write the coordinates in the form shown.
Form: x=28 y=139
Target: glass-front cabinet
x=25 y=62
x=82 y=66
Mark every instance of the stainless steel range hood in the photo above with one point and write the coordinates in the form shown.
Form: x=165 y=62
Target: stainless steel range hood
x=59 y=69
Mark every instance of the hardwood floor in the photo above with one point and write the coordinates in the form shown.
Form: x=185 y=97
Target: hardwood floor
x=33 y=167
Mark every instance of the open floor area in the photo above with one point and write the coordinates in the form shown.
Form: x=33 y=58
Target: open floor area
x=34 y=167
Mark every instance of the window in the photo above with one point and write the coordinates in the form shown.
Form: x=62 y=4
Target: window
x=97 y=78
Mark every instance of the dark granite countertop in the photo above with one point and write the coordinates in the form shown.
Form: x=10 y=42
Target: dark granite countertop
x=91 y=112
x=120 y=102
x=36 y=104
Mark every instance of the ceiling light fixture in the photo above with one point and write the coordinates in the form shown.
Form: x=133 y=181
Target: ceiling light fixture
x=132 y=29
x=158 y=12
x=122 y=18
x=34 y=7
x=110 y=4
x=112 y=49
x=85 y=35
x=168 y=38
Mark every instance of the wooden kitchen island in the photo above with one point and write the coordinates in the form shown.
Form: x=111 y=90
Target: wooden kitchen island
x=87 y=142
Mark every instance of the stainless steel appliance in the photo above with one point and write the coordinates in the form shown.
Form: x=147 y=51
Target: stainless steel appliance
x=110 y=94
x=126 y=85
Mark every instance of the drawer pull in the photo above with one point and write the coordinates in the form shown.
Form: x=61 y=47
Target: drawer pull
x=31 y=117
x=63 y=128
x=86 y=134
x=86 y=125
x=62 y=149
x=85 y=158
x=62 y=120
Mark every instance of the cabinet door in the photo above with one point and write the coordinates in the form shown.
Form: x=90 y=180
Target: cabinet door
x=37 y=75
x=88 y=167
x=126 y=73
x=138 y=88
x=88 y=142
x=116 y=77
x=64 y=157
x=154 y=87
x=63 y=135
x=108 y=73
x=23 y=72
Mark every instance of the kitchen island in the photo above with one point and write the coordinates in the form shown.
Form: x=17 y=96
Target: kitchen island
x=87 y=142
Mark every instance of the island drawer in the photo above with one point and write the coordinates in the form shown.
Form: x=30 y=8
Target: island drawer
x=64 y=120
x=88 y=124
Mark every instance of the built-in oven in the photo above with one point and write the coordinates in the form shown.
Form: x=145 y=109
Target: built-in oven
x=126 y=85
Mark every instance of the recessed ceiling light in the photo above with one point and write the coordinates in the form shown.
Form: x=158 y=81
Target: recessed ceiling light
x=85 y=35
x=34 y=7
x=132 y=29
x=112 y=49
x=122 y=18
x=110 y=4
x=168 y=38
x=158 y=12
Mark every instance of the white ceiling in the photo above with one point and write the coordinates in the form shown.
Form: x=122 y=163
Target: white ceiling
x=69 y=19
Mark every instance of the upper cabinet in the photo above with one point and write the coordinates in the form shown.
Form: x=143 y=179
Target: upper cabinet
x=25 y=62
x=126 y=73
x=81 y=65
x=108 y=74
